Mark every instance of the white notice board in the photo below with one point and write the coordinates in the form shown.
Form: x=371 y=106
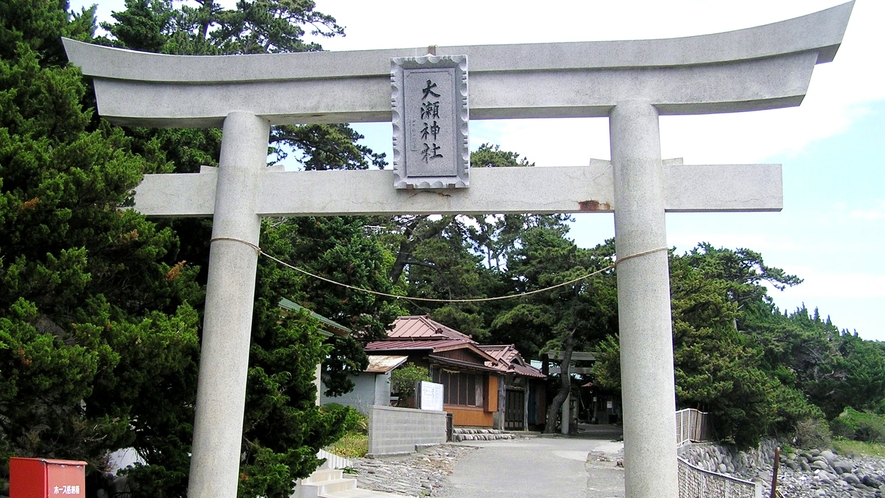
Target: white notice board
x=431 y=396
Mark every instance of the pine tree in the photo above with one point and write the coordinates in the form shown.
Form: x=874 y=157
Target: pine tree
x=95 y=320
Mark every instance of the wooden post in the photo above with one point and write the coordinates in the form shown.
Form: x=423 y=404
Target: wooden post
x=777 y=461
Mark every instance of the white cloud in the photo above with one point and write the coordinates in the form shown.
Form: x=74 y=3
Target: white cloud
x=874 y=214
x=819 y=284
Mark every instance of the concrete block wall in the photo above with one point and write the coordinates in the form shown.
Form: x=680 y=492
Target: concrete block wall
x=399 y=430
x=694 y=481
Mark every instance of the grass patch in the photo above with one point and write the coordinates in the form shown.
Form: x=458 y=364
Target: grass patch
x=355 y=442
x=352 y=445
x=859 y=448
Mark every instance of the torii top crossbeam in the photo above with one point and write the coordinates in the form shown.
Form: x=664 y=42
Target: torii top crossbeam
x=692 y=75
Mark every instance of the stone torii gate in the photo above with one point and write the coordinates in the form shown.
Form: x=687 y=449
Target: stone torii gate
x=629 y=82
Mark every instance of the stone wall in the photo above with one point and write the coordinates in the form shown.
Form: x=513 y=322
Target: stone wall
x=395 y=431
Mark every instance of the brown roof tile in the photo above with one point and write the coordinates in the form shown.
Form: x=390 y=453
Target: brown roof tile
x=422 y=327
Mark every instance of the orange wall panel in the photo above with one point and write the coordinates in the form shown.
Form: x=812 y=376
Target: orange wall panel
x=491 y=389
x=467 y=417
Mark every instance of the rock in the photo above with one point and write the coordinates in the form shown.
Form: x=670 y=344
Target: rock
x=829 y=456
x=809 y=476
x=871 y=482
x=850 y=478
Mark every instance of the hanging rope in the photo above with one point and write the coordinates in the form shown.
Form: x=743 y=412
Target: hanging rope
x=612 y=266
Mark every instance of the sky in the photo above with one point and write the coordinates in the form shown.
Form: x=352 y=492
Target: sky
x=831 y=147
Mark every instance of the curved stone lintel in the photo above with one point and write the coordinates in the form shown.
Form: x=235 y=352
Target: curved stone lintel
x=755 y=68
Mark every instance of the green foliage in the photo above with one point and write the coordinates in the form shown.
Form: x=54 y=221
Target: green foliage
x=607 y=368
x=354 y=421
x=355 y=441
x=859 y=426
x=813 y=433
x=543 y=258
x=404 y=380
x=859 y=448
x=717 y=367
x=99 y=309
x=491 y=156
x=335 y=248
x=351 y=445
x=98 y=339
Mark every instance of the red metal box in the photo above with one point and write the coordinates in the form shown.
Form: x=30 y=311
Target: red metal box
x=46 y=478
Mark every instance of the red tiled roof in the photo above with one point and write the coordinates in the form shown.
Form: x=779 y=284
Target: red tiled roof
x=432 y=345
x=501 y=352
x=422 y=327
x=510 y=361
x=420 y=333
x=429 y=345
x=528 y=371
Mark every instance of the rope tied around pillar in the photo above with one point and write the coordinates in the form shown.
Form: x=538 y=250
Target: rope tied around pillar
x=233 y=239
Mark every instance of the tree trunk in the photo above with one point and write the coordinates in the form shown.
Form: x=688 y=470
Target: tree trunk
x=565 y=384
x=411 y=239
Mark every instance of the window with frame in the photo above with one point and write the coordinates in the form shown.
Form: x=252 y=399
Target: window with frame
x=460 y=388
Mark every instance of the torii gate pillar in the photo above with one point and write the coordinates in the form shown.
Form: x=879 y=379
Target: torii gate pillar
x=646 y=339
x=230 y=298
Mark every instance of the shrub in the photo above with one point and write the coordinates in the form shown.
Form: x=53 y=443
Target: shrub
x=812 y=433
x=352 y=420
x=354 y=443
x=859 y=426
x=404 y=380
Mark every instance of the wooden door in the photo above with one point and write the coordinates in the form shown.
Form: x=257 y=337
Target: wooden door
x=514 y=414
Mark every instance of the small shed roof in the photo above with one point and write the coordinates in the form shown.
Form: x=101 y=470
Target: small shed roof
x=384 y=363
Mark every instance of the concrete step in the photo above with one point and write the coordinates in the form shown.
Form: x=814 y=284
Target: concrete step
x=361 y=493
x=325 y=487
x=334 y=485
x=321 y=475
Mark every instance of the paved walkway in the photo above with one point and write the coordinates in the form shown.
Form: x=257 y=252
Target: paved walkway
x=579 y=466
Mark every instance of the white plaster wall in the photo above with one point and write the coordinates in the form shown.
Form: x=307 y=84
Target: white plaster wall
x=382 y=389
x=362 y=397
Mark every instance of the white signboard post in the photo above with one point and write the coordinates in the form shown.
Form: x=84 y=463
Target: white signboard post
x=431 y=396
